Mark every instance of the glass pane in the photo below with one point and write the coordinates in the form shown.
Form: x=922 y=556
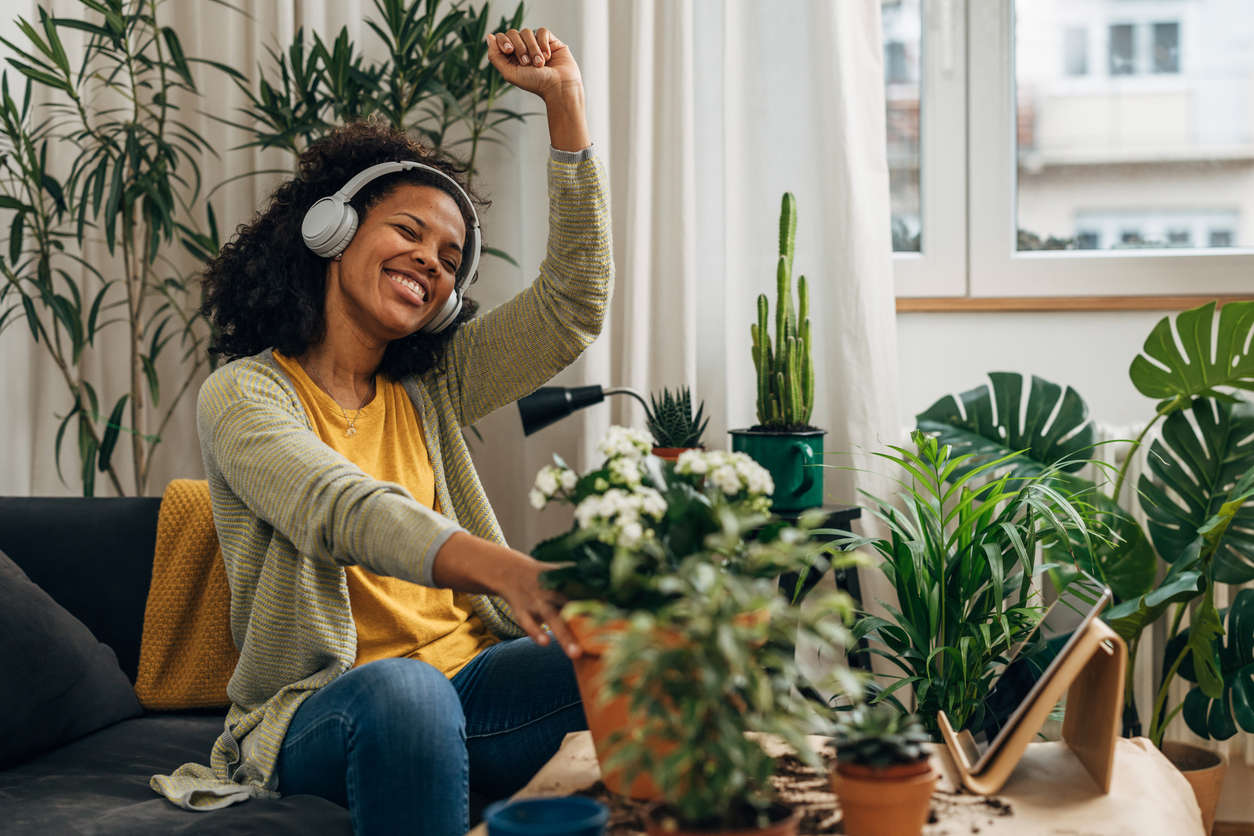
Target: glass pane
x=903 y=28
x=1135 y=124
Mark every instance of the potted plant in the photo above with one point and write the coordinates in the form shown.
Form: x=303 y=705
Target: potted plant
x=883 y=776
x=1197 y=499
x=709 y=672
x=674 y=427
x=783 y=441
x=637 y=519
x=960 y=552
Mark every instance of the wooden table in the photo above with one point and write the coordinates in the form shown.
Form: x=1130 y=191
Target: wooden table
x=1049 y=793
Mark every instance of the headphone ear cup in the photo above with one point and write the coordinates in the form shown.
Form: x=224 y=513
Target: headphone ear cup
x=328 y=226
x=448 y=313
x=344 y=234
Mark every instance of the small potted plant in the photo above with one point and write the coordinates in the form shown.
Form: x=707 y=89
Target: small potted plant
x=674 y=427
x=704 y=673
x=783 y=441
x=637 y=519
x=883 y=775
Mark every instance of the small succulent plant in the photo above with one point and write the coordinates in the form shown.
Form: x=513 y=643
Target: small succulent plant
x=671 y=421
x=879 y=736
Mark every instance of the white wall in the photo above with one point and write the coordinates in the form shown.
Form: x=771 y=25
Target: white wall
x=942 y=353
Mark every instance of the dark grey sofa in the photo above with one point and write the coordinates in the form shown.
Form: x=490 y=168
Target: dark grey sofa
x=94 y=557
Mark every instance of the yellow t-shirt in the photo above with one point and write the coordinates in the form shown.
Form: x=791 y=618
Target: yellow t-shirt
x=394 y=618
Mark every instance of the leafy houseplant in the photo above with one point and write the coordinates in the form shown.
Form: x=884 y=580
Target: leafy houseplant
x=638 y=522
x=783 y=440
x=1198 y=498
x=672 y=423
x=961 y=557
x=698 y=674
x=882 y=776
x=130 y=183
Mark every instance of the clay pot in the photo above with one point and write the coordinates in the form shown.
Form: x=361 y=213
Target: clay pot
x=671 y=454
x=787 y=825
x=605 y=718
x=884 y=802
x=1204 y=770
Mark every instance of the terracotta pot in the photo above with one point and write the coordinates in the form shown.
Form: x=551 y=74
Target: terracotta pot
x=1204 y=770
x=785 y=826
x=671 y=454
x=605 y=718
x=884 y=802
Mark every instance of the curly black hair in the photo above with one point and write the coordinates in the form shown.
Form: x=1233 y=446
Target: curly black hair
x=266 y=289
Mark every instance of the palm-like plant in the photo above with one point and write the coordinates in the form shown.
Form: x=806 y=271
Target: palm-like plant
x=961 y=557
x=1198 y=500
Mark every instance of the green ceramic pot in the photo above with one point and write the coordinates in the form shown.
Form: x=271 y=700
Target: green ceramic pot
x=795 y=462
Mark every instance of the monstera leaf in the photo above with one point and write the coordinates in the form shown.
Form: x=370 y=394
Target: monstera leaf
x=1177 y=377
x=1196 y=467
x=985 y=421
x=1219 y=717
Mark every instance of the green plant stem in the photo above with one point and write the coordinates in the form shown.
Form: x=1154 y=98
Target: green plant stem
x=1136 y=445
x=1158 y=726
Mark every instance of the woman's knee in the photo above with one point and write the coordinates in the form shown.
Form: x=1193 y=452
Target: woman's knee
x=404 y=697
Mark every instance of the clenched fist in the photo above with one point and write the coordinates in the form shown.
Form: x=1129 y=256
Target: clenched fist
x=535 y=61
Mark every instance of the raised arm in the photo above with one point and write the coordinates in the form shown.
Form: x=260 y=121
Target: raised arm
x=517 y=347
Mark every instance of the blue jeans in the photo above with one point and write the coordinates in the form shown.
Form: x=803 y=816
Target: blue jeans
x=400 y=745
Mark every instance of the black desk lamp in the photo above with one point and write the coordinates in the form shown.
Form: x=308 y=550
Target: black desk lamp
x=549 y=404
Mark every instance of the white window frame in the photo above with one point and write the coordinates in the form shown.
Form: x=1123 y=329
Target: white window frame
x=973 y=253
x=940 y=266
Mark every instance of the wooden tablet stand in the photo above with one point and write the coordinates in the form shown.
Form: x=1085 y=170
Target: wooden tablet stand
x=1091 y=674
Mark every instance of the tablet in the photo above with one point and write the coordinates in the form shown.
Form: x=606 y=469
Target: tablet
x=1072 y=599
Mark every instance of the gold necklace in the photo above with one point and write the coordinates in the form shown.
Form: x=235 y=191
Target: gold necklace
x=351 y=429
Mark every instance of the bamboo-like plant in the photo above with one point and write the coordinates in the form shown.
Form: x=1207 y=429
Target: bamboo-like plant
x=785 y=369
x=130 y=182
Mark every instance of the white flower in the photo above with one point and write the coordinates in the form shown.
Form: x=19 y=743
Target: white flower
x=538 y=499
x=600 y=484
x=625 y=471
x=651 y=502
x=692 y=461
x=630 y=534
x=627 y=442
x=546 y=481
x=568 y=480
x=725 y=479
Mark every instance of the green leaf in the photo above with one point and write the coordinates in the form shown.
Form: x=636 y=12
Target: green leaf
x=87 y=449
x=112 y=428
x=150 y=372
x=15 y=238
x=985 y=422
x=1218 y=718
x=1195 y=465
x=1204 y=635
x=56 y=445
x=501 y=254
x=1163 y=371
x=1129 y=618
x=176 y=56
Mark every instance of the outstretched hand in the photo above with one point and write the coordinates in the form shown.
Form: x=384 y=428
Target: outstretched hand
x=534 y=61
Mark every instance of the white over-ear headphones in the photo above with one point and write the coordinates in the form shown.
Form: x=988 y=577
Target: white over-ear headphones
x=331 y=222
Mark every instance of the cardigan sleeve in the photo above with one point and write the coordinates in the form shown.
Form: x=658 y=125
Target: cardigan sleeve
x=514 y=349
x=256 y=437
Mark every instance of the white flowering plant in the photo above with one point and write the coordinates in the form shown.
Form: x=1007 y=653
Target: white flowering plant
x=636 y=518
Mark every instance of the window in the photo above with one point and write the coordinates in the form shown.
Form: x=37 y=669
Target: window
x=1134 y=177
x=896 y=68
x=1122 y=49
x=1166 y=48
x=1075 y=42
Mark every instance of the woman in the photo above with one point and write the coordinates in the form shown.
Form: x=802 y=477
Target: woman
x=372 y=595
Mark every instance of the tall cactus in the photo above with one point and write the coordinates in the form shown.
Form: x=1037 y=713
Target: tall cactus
x=784 y=366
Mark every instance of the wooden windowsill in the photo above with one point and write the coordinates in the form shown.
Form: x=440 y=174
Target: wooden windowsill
x=936 y=304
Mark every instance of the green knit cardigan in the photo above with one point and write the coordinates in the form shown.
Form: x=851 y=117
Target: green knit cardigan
x=290 y=512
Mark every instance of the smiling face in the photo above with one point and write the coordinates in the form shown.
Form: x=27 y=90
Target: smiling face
x=401 y=265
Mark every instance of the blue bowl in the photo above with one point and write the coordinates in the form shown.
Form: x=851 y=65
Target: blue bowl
x=572 y=816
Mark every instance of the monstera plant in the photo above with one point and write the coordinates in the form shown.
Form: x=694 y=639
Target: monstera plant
x=1198 y=499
